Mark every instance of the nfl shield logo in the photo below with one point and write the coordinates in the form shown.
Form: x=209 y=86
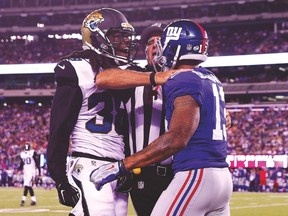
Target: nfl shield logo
x=140 y=184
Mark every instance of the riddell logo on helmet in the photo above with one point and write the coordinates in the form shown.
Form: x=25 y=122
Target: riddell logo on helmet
x=173 y=33
x=93 y=20
x=127 y=25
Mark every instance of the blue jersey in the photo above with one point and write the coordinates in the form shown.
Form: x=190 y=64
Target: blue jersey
x=208 y=146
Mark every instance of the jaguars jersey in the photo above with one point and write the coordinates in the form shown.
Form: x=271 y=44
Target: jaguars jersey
x=91 y=116
x=28 y=163
x=208 y=146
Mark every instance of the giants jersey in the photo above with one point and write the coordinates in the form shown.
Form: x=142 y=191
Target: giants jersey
x=91 y=116
x=28 y=162
x=208 y=146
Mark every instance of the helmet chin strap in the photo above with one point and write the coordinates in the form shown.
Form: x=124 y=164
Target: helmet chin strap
x=176 y=56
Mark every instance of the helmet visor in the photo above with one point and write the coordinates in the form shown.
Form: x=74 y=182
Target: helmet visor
x=122 y=42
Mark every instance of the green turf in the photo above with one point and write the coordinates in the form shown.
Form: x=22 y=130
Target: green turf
x=47 y=203
x=259 y=204
x=242 y=204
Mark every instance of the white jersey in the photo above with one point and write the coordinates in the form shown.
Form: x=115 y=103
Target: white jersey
x=29 y=167
x=28 y=160
x=93 y=119
x=94 y=132
x=88 y=117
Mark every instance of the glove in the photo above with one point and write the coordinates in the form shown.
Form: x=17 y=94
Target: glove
x=125 y=183
x=68 y=194
x=107 y=173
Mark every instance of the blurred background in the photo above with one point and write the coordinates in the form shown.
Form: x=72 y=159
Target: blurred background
x=35 y=34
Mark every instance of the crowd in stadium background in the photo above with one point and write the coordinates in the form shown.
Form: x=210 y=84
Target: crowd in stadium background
x=255 y=131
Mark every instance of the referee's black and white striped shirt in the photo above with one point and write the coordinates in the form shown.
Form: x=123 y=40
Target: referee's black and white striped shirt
x=146 y=116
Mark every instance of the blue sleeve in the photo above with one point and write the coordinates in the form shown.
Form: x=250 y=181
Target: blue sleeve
x=184 y=83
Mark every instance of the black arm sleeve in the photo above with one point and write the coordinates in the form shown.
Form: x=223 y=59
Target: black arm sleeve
x=21 y=165
x=37 y=162
x=65 y=108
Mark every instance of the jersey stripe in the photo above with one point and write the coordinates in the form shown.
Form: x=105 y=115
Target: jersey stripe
x=204 y=35
x=132 y=132
x=147 y=99
x=145 y=114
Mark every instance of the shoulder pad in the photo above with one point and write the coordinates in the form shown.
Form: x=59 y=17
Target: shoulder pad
x=65 y=72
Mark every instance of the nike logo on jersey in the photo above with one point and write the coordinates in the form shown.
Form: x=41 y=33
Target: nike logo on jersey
x=111 y=167
x=61 y=66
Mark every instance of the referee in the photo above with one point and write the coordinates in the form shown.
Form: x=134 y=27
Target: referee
x=146 y=123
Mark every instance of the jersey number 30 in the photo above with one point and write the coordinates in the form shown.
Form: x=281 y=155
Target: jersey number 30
x=103 y=121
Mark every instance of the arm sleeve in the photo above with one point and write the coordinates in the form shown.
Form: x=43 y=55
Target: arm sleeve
x=37 y=162
x=65 y=108
x=21 y=165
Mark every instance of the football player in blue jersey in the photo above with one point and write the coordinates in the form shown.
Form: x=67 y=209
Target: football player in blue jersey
x=91 y=118
x=195 y=111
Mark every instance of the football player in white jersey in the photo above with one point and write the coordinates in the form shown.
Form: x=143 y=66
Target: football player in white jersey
x=30 y=166
x=94 y=119
x=195 y=111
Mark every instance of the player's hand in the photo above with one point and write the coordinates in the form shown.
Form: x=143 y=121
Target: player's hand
x=68 y=194
x=162 y=77
x=107 y=173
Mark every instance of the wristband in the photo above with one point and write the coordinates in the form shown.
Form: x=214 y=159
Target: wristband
x=122 y=168
x=152 y=79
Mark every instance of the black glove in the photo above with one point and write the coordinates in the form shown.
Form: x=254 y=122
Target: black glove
x=68 y=194
x=124 y=183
